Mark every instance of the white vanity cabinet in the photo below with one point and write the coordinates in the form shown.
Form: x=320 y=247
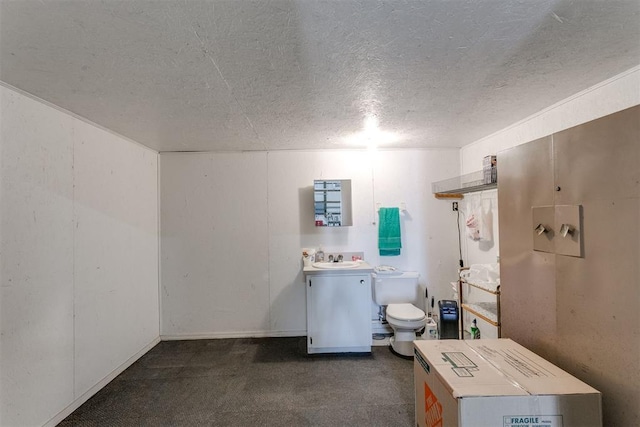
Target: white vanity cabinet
x=339 y=312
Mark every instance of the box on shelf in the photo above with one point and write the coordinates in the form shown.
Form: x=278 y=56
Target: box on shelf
x=497 y=382
x=490 y=169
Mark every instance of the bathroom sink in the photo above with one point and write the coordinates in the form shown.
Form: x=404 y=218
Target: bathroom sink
x=335 y=265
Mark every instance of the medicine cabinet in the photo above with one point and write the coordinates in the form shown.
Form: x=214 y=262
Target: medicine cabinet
x=332 y=202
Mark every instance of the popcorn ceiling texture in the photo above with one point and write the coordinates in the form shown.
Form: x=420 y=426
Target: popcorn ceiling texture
x=271 y=75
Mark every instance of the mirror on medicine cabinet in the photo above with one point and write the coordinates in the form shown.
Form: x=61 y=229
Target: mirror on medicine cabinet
x=332 y=202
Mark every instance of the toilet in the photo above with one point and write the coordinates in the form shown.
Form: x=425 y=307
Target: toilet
x=397 y=290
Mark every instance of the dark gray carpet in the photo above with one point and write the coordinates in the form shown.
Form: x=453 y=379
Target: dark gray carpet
x=254 y=382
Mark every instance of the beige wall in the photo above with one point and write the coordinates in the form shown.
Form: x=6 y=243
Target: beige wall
x=581 y=312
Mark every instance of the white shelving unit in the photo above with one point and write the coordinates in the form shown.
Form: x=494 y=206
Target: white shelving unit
x=482 y=302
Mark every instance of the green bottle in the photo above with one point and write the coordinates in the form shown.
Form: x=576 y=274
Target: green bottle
x=475 y=332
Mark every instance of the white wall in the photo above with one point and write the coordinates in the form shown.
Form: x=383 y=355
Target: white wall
x=78 y=265
x=115 y=252
x=615 y=94
x=214 y=240
x=233 y=226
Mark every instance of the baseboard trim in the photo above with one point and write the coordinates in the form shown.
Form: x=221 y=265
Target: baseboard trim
x=93 y=390
x=218 y=335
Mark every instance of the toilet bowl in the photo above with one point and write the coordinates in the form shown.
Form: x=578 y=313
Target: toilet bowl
x=396 y=292
x=405 y=320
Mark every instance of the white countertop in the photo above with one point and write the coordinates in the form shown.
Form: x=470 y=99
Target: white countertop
x=362 y=268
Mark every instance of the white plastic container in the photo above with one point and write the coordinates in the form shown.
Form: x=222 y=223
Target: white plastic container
x=430 y=330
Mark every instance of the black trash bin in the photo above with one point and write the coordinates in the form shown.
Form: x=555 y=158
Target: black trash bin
x=448 y=319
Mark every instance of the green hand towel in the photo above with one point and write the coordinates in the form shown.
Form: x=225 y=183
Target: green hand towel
x=389 y=241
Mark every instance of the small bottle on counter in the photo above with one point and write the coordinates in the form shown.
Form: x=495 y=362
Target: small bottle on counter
x=320 y=254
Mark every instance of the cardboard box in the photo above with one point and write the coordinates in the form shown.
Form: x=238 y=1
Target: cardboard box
x=497 y=383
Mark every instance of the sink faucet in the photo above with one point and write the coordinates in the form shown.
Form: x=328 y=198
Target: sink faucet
x=336 y=258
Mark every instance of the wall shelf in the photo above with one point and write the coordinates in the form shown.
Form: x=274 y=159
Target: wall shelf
x=485 y=305
x=486 y=311
x=455 y=188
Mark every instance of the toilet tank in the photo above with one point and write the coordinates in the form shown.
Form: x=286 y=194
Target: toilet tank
x=395 y=288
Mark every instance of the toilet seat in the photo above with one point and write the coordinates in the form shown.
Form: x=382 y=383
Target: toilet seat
x=405 y=312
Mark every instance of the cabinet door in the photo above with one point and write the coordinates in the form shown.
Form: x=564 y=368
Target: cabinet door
x=339 y=312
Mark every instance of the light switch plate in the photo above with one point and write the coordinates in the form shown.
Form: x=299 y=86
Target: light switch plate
x=568 y=217
x=543 y=217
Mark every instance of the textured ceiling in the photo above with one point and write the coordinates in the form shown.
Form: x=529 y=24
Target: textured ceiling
x=272 y=74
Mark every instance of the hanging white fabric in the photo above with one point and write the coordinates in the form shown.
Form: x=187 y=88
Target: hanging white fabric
x=486 y=220
x=479 y=223
x=474 y=213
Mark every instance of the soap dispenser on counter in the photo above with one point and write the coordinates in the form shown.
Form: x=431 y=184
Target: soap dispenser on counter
x=320 y=255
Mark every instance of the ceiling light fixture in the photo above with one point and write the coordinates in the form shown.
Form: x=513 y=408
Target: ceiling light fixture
x=371 y=136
